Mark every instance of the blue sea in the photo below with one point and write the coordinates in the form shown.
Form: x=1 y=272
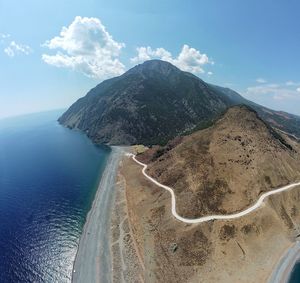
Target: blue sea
x=48 y=179
x=295 y=275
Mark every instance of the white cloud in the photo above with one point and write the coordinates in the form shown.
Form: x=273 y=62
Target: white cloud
x=189 y=59
x=276 y=91
x=14 y=49
x=147 y=53
x=261 y=80
x=85 y=46
x=4 y=35
x=298 y=89
x=210 y=73
x=292 y=83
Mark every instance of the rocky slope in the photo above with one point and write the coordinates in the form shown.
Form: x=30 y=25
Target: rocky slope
x=225 y=168
x=244 y=250
x=221 y=169
x=155 y=102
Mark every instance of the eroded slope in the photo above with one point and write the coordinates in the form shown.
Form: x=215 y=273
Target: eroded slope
x=224 y=168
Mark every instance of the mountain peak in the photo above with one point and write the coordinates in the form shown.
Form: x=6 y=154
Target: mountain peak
x=237 y=149
x=150 y=104
x=241 y=112
x=155 y=66
x=154 y=102
x=156 y=63
x=245 y=119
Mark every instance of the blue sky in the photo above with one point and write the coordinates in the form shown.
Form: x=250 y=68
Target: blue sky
x=249 y=46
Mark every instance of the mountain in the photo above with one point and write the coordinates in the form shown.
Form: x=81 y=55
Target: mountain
x=155 y=102
x=222 y=169
x=226 y=166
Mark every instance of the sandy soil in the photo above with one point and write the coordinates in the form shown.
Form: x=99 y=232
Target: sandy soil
x=127 y=263
x=239 y=250
x=227 y=167
x=93 y=259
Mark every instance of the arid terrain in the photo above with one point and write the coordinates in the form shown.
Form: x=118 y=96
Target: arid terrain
x=127 y=264
x=225 y=168
x=218 y=170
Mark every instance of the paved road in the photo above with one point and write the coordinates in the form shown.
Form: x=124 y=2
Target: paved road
x=93 y=259
x=210 y=217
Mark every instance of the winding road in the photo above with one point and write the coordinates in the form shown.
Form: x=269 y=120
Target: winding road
x=210 y=217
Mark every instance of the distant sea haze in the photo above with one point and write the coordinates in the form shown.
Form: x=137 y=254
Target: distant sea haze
x=48 y=179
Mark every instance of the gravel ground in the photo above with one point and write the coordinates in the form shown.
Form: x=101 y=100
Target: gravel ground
x=93 y=259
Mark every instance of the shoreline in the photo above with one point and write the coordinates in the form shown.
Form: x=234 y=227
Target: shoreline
x=93 y=258
x=285 y=265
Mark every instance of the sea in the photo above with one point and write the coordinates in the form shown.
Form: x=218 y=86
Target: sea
x=48 y=179
x=295 y=275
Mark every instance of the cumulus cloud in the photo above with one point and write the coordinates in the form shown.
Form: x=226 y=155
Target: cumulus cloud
x=14 y=49
x=4 y=35
x=147 y=53
x=210 y=73
x=189 y=59
x=298 y=89
x=86 y=46
x=261 y=80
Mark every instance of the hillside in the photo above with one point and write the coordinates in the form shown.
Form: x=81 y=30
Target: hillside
x=219 y=170
x=155 y=102
x=226 y=166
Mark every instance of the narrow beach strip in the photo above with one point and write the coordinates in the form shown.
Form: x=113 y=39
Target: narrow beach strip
x=93 y=258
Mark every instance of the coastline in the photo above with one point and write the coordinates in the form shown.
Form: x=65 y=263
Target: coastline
x=285 y=266
x=93 y=259
x=104 y=256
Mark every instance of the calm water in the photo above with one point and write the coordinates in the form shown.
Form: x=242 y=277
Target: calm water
x=295 y=276
x=48 y=178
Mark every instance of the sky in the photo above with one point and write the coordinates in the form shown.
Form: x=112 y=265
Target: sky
x=53 y=52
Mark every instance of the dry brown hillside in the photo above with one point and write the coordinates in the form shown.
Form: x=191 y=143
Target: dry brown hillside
x=225 y=168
